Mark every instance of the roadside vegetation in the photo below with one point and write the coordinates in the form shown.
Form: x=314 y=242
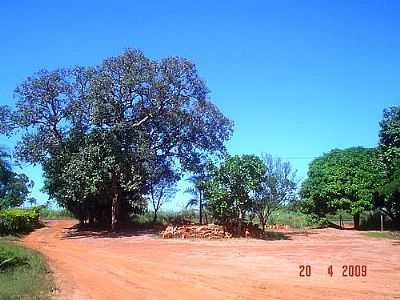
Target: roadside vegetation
x=23 y=273
x=54 y=214
x=392 y=235
x=17 y=221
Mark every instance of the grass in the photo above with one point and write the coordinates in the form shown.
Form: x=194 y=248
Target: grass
x=292 y=218
x=165 y=218
x=55 y=214
x=392 y=235
x=26 y=275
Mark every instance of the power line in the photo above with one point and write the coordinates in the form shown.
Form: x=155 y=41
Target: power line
x=299 y=157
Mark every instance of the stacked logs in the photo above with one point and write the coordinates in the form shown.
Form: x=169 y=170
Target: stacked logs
x=212 y=231
x=278 y=226
x=209 y=231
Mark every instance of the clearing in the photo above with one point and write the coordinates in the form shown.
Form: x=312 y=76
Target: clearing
x=93 y=265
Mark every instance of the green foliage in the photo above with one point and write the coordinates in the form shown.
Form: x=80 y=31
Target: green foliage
x=277 y=187
x=25 y=275
x=14 y=188
x=294 y=219
x=13 y=221
x=342 y=180
x=389 y=139
x=199 y=182
x=232 y=186
x=392 y=235
x=46 y=213
x=186 y=216
x=100 y=132
x=388 y=197
x=9 y=259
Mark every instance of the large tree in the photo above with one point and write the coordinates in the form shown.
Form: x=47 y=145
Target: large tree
x=231 y=189
x=278 y=187
x=342 y=180
x=97 y=131
x=388 y=196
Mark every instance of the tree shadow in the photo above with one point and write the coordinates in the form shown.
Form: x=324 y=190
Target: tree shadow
x=284 y=235
x=81 y=232
x=335 y=226
x=274 y=236
x=153 y=231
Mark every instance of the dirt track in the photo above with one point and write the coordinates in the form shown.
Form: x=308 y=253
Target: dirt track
x=139 y=266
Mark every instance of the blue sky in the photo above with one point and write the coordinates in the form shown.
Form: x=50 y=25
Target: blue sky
x=298 y=77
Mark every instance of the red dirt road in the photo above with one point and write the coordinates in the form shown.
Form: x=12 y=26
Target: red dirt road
x=144 y=267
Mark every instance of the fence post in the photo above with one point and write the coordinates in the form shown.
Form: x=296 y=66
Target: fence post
x=381 y=222
x=340 y=221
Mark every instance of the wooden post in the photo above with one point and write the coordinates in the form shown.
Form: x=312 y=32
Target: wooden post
x=381 y=222
x=340 y=221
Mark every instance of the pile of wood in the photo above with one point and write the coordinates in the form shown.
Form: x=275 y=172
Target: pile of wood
x=213 y=231
x=209 y=231
x=278 y=226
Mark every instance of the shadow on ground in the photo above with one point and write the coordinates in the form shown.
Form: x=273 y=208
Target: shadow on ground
x=79 y=232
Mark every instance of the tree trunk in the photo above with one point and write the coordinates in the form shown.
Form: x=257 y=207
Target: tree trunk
x=201 y=207
x=91 y=219
x=239 y=225
x=356 y=219
x=115 y=202
x=155 y=217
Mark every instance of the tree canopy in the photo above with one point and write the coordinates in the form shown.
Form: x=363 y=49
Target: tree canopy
x=278 y=187
x=14 y=188
x=232 y=186
x=388 y=197
x=99 y=131
x=342 y=180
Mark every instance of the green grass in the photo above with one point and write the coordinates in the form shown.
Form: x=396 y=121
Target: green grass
x=25 y=276
x=165 y=218
x=292 y=218
x=393 y=235
x=55 y=214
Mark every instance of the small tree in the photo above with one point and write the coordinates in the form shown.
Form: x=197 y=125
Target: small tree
x=232 y=187
x=159 y=194
x=197 y=191
x=277 y=187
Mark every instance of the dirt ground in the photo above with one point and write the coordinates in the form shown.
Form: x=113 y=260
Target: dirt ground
x=140 y=266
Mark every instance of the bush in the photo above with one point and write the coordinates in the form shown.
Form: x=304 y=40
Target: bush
x=13 y=221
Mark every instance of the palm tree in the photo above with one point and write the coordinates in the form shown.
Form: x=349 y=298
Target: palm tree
x=32 y=201
x=197 y=191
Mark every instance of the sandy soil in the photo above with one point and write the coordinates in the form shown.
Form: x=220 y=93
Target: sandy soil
x=141 y=266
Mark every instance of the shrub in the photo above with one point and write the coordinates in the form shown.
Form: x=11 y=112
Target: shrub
x=13 y=221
